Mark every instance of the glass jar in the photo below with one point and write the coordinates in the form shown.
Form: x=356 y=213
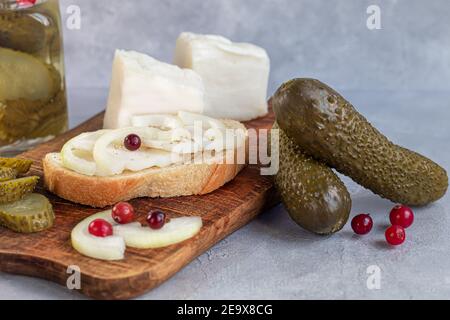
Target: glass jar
x=33 y=103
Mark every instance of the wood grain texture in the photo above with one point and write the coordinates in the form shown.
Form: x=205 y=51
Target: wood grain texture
x=48 y=254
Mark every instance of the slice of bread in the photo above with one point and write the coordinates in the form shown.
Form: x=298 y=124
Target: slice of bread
x=174 y=181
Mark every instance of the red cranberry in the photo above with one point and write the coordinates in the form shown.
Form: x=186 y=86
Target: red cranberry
x=156 y=219
x=402 y=216
x=132 y=142
x=362 y=224
x=100 y=228
x=395 y=235
x=123 y=213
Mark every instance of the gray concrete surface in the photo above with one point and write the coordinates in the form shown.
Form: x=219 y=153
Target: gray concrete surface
x=272 y=258
x=327 y=39
x=399 y=77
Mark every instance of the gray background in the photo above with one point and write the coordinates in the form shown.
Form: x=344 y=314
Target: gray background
x=326 y=39
x=398 y=77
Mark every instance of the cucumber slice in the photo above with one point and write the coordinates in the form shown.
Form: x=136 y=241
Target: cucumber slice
x=7 y=174
x=34 y=213
x=20 y=165
x=14 y=190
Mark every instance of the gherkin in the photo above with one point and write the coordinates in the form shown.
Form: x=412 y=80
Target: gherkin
x=328 y=128
x=14 y=190
x=314 y=196
x=32 y=98
x=7 y=174
x=20 y=165
x=23 y=76
x=20 y=31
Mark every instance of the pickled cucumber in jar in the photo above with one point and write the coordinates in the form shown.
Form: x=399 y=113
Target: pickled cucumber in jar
x=33 y=103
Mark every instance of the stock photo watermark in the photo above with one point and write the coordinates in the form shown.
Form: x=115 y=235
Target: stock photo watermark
x=374 y=20
x=73 y=20
x=224 y=146
x=373 y=281
x=74 y=280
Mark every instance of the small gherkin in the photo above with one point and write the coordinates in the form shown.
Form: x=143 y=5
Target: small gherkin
x=19 y=165
x=14 y=190
x=24 y=76
x=314 y=196
x=7 y=174
x=20 y=31
x=328 y=127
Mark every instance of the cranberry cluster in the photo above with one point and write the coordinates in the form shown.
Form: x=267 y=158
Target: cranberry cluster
x=401 y=217
x=123 y=213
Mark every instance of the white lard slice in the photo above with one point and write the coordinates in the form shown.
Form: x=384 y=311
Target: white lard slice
x=143 y=85
x=235 y=75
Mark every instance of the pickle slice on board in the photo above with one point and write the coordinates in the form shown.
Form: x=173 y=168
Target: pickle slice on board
x=21 y=32
x=7 y=174
x=23 y=76
x=34 y=213
x=20 y=165
x=14 y=190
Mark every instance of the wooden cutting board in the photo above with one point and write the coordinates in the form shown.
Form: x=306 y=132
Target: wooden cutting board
x=48 y=254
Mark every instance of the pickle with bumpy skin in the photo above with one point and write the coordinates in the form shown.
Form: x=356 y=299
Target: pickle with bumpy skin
x=314 y=196
x=7 y=174
x=14 y=190
x=33 y=213
x=328 y=127
x=20 y=165
x=21 y=32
